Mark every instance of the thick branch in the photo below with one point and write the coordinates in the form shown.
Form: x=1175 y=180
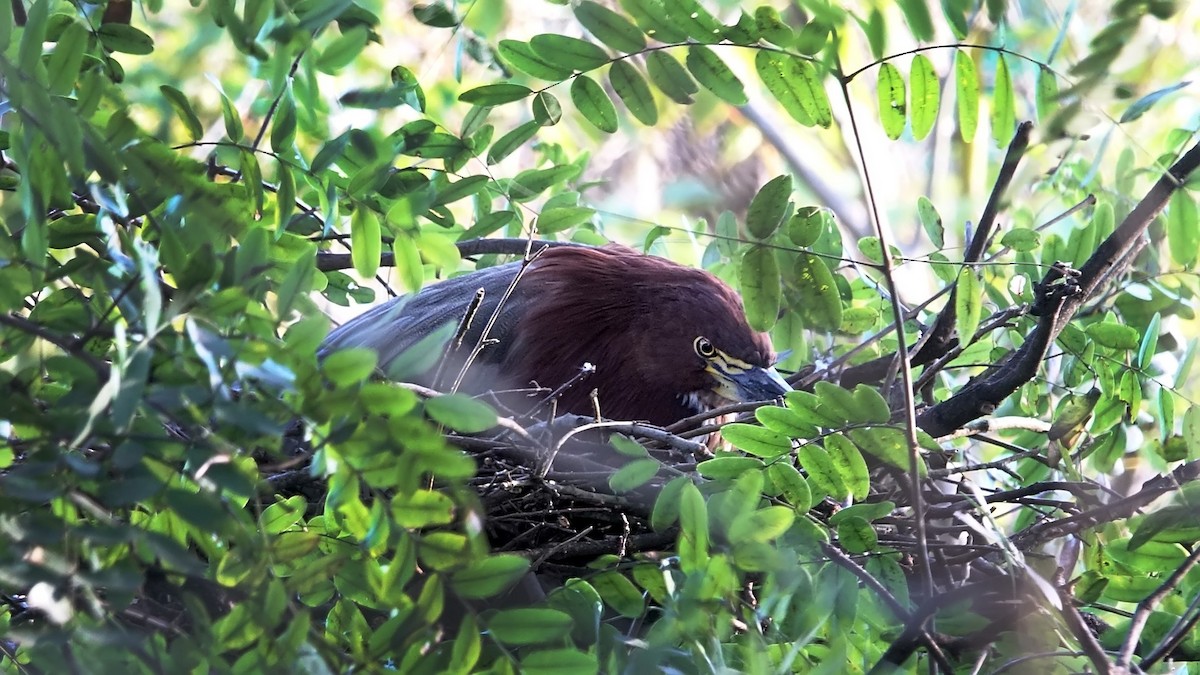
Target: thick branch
x=940 y=337
x=1111 y=258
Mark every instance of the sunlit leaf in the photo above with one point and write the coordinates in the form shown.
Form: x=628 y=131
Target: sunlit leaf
x=925 y=97
x=890 y=90
x=712 y=73
x=966 y=86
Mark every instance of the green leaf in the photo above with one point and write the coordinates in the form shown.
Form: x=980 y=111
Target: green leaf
x=495 y=94
x=592 y=102
x=1183 y=229
x=916 y=13
x=768 y=207
x=1021 y=239
x=1149 y=344
x=348 y=367
x=619 y=593
x=671 y=77
x=563 y=217
x=693 y=18
x=558 y=661
x=968 y=305
x=529 y=626
x=233 y=121
x=712 y=74
x=756 y=440
x=761 y=525
x=890 y=91
x=1114 y=335
x=792 y=485
x=423 y=508
x=666 y=505
x=758 y=277
x=1143 y=104
x=823 y=476
x=966 y=83
x=461 y=413
x=634 y=92
x=1004 y=112
x=457 y=190
x=546 y=109
x=931 y=221
x=183 y=109
x=283 y=515
x=1046 y=94
x=609 y=27
x=804 y=228
x=490 y=576
x=570 y=52
x=814 y=294
x=772 y=27
x=925 y=97
x=365 y=241
x=870 y=512
x=408 y=262
x=203 y=510
x=342 y=51
x=651 y=16
x=851 y=468
x=857 y=536
x=786 y=421
x=634 y=475
x=120 y=37
x=522 y=57
x=887 y=444
x=1191 y=432
x=63 y=67
x=728 y=468
x=794 y=82
x=506 y=144
x=693 y=529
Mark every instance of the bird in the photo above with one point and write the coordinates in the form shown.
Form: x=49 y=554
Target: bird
x=657 y=341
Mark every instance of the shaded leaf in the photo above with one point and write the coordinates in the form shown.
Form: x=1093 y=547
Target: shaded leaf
x=461 y=413
x=591 y=101
x=571 y=52
x=1004 y=113
x=670 y=77
x=631 y=87
x=609 y=27
x=966 y=83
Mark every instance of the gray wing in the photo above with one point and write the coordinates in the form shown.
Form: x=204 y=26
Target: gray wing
x=434 y=314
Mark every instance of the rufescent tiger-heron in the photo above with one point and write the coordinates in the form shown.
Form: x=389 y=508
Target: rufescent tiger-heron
x=666 y=341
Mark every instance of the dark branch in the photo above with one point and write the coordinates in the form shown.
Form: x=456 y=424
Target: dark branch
x=1059 y=299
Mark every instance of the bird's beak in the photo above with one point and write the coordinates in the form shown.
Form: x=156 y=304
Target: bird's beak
x=750 y=384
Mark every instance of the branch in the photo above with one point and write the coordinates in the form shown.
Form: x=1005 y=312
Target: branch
x=328 y=262
x=940 y=337
x=1059 y=303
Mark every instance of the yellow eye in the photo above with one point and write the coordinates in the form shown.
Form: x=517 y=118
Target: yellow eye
x=704 y=347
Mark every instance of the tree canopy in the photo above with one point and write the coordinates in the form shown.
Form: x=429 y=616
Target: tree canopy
x=968 y=225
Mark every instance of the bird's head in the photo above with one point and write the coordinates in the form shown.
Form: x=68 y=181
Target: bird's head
x=667 y=341
x=717 y=357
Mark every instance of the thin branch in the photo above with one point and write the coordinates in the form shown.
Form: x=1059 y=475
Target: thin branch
x=1147 y=605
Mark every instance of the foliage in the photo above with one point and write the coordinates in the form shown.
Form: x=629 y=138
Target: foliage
x=187 y=483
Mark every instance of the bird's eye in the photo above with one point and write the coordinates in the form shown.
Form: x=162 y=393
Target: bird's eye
x=704 y=347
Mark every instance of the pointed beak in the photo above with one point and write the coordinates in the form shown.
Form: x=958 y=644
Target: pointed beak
x=759 y=384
